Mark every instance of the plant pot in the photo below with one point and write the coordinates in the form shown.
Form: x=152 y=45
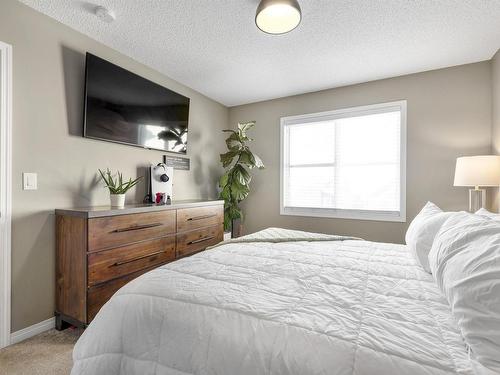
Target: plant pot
x=236 y=228
x=117 y=200
x=227 y=236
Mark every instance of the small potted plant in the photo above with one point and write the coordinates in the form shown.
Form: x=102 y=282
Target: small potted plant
x=117 y=187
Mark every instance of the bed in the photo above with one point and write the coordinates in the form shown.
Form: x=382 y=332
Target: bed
x=278 y=302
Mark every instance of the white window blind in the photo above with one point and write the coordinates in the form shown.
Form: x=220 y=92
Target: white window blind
x=348 y=163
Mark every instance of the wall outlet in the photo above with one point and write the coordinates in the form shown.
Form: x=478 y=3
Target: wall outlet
x=30 y=181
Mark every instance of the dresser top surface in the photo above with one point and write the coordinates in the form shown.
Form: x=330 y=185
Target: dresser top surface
x=102 y=211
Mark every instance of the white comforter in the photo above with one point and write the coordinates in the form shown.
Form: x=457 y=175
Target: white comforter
x=301 y=307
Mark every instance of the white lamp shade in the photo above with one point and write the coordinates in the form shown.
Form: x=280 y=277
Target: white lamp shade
x=482 y=170
x=278 y=16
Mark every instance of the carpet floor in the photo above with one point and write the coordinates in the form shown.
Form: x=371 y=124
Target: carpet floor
x=48 y=353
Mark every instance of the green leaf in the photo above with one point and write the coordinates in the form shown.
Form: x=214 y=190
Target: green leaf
x=246 y=158
x=234 y=212
x=224 y=180
x=231 y=212
x=103 y=177
x=243 y=127
x=258 y=162
x=234 y=142
x=239 y=192
x=227 y=158
x=250 y=160
x=226 y=193
x=240 y=175
x=117 y=186
x=112 y=180
x=227 y=220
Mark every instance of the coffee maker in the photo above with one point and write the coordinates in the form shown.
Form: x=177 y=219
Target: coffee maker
x=160 y=184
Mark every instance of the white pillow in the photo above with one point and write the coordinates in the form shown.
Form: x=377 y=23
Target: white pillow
x=485 y=212
x=422 y=230
x=465 y=262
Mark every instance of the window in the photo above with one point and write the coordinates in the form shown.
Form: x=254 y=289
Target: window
x=348 y=163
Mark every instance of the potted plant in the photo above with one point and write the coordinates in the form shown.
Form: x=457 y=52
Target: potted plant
x=235 y=182
x=117 y=187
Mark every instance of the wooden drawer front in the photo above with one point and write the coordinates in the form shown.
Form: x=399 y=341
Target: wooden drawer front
x=112 y=231
x=110 y=264
x=98 y=295
x=197 y=240
x=199 y=217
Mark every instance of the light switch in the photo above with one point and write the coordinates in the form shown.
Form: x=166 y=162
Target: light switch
x=30 y=181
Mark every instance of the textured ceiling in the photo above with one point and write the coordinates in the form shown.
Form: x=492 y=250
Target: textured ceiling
x=214 y=47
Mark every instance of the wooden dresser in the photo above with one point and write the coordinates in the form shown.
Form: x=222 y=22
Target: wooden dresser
x=98 y=250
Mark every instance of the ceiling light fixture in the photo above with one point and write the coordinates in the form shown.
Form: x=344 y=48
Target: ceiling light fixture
x=278 y=16
x=104 y=14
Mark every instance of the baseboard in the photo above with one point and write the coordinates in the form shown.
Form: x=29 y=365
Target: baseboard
x=31 y=331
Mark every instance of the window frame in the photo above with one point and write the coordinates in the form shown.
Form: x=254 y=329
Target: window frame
x=355 y=214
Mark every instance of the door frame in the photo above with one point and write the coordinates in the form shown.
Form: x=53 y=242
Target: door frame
x=5 y=191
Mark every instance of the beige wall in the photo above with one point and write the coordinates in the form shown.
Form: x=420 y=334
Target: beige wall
x=449 y=115
x=495 y=110
x=47 y=120
x=495 y=103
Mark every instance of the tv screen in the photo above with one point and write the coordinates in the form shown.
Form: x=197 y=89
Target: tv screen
x=123 y=107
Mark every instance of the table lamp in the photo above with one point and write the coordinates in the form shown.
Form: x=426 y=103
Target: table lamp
x=476 y=171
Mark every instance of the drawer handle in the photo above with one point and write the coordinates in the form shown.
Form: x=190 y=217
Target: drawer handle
x=200 y=240
x=200 y=217
x=136 y=227
x=135 y=259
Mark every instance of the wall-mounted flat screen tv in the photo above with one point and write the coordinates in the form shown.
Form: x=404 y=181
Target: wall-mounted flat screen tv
x=123 y=107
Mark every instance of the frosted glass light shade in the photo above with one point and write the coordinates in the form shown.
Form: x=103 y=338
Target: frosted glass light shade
x=278 y=16
x=482 y=170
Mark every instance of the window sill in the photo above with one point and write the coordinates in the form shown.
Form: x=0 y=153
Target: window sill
x=344 y=214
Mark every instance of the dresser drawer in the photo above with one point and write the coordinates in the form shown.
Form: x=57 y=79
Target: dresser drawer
x=199 y=217
x=110 y=264
x=112 y=231
x=98 y=295
x=197 y=240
